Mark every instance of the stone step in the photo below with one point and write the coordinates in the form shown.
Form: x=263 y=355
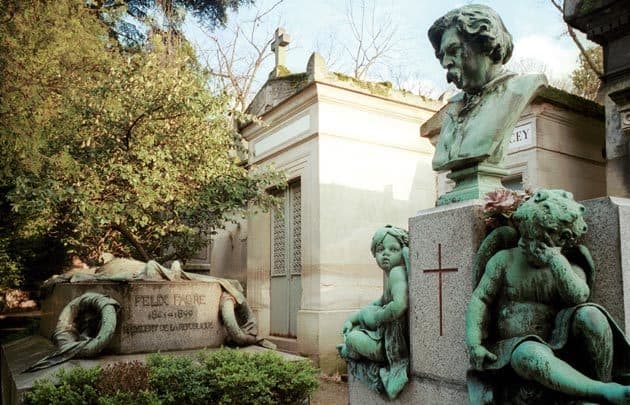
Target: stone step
x=18 y=319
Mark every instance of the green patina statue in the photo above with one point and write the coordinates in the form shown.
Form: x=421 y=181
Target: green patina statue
x=532 y=335
x=472 y=44
x=376 y=338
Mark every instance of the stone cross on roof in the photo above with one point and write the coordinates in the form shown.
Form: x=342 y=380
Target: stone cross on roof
x=279 y=46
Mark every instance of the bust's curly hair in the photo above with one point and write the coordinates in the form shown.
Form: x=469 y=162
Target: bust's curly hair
x=401 y=235
x=553 y=217
x=477 y=23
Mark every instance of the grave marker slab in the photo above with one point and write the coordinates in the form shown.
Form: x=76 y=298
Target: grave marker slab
x=153 y=315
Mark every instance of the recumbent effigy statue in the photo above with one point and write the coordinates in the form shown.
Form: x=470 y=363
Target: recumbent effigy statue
x=88 y=322
x=533 y=336
x=376 y=338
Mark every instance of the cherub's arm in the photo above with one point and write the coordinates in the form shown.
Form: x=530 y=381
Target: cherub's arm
x=571 y=284
x=397 y=284
x=378 y=302
x=352 y=320
x=361 y=315
x=477 y=314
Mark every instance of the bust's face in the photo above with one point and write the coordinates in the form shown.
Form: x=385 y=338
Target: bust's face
x=466 y=67
x=388 y=253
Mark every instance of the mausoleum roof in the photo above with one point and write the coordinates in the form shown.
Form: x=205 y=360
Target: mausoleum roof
x=282 y=85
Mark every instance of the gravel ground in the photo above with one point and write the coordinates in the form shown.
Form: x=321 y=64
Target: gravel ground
x=331 y=392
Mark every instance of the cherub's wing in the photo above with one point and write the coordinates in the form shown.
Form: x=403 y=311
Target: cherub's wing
x=503 y=237
x=581 y=256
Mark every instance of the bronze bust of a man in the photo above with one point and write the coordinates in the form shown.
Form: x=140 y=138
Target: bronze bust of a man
x=473 y=44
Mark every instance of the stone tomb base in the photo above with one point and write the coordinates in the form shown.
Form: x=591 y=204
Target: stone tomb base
x=153 y=316
x=446 y=238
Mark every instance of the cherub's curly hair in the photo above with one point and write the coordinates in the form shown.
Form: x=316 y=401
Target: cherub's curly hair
x=551 y=216
x=401 y=235
x=480 y=24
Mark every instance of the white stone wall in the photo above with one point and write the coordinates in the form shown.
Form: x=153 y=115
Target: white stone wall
x=362 y=164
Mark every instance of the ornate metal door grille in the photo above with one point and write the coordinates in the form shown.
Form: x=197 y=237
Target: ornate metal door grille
x=286 y=262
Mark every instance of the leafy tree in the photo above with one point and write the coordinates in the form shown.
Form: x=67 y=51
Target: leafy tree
x=586 y=81
x=107 y=150
x=44 y=55
x=210 y=13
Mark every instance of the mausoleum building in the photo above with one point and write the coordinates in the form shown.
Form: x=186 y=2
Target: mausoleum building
x=354 y=162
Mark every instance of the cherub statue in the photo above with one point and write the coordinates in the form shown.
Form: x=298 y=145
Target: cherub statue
x=376 y=337
x=532 y=335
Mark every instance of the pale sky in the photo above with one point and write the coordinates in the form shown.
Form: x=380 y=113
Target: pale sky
x=536 y=27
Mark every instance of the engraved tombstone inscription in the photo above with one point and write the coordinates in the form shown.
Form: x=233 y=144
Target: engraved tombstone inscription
x=153 y=316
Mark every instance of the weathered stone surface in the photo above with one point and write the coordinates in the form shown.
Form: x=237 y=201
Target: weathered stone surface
x=458 y=229
x=15 y=358
x=418 y=391
x=607 y=22
x=608 y=239
x=153 y=315
x=18 y=355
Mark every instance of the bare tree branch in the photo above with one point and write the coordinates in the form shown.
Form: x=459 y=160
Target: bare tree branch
x=238 y=54
x=573 y=35
x=132 y=239
x=372 y=40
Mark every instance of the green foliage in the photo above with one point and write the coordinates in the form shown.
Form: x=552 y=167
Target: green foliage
x=233 y=376
x=127 y=377
x=265 y=378
x=46 y=48
x=126 y=398
x=179 y=379
x=10 y=275
x=585 y=81
x=222 y=377
x=106 y=150
x=76 y=386
x=129 y=19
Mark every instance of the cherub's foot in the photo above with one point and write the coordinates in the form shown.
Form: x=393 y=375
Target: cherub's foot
x=617 y=393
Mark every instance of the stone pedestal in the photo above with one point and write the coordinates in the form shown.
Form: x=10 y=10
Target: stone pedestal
x=608 y=239
x=443 y=243
x=607 y=22
x=473 y=183
x=421 y=391
x=153 y=315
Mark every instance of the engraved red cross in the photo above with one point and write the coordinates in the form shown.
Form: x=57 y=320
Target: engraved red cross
x=439 y=271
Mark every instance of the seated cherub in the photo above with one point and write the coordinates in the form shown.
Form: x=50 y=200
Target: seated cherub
x=529 y=327
x=375 y=338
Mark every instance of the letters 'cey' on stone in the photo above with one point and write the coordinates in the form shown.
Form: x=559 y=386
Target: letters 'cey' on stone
x=376 y=339
x=532 y=334
x=472 y=44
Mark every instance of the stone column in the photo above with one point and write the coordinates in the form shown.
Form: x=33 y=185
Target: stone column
x=607 y=22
